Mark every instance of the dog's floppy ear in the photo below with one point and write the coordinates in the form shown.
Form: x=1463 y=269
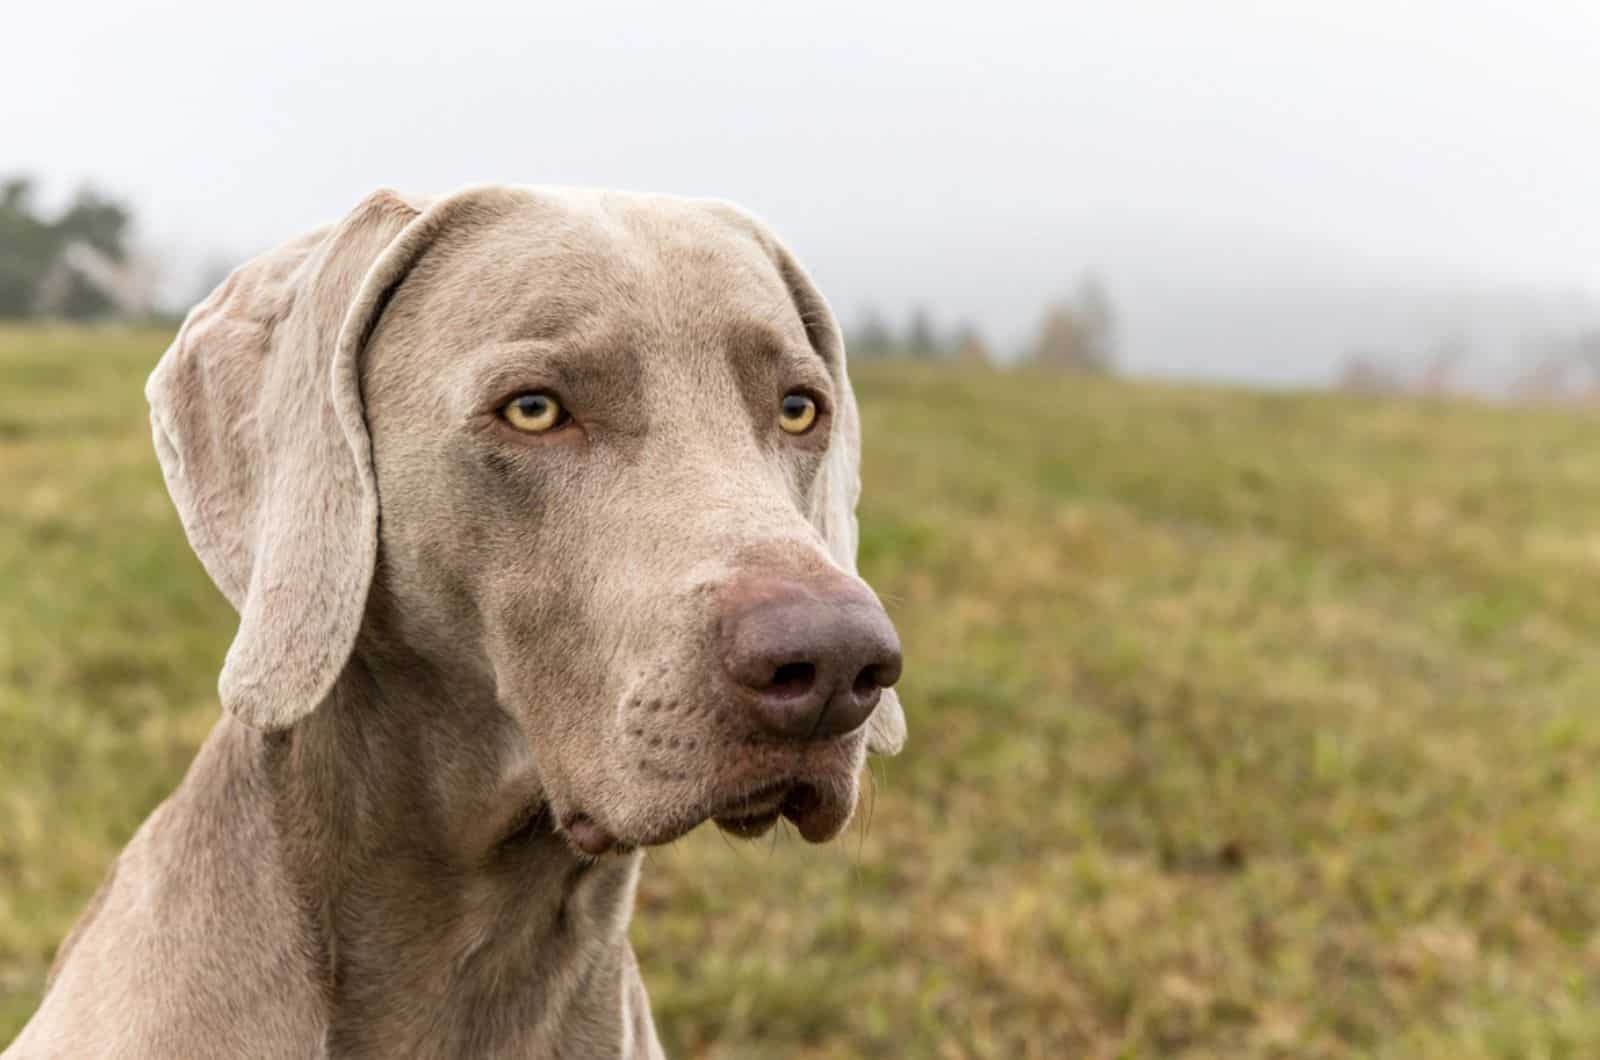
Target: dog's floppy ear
x=838 y=485
x=258 y=422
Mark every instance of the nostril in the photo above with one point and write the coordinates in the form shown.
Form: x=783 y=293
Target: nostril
x=792 y=679
x=870 y=681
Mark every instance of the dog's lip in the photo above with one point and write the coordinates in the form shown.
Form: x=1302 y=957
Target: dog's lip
x=794 y=799
x=752 y=826
x=809 y=811
x=813 y=786
x=751 y=813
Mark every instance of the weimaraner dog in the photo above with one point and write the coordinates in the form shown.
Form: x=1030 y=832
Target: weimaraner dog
x=537 y=507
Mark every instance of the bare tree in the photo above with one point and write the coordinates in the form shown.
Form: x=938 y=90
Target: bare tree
x=1078 y=334
x=1562 y=369
x=1547 y=378
x=922 y=336
x=1442 y=367
x=1098 y=319
x=970 y=347
x=1368 y=373
x=1586 y=351
x=871 y=337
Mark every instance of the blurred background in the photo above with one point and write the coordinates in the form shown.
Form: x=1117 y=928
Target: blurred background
x=1227 y=373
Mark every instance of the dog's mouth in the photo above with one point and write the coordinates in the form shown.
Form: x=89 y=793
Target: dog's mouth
x=745 y=796
x=816 y=808
x=753 y=814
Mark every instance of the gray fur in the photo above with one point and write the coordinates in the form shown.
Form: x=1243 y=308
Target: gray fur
x=463 y=654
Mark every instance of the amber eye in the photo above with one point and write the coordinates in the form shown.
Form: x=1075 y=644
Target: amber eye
x=533 y=413
x=797 y=413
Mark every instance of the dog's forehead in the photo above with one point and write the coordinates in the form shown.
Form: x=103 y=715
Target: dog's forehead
x=605 y=297
x=576 y=260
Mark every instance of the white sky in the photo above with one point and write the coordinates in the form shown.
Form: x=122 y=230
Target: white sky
x=975 y=156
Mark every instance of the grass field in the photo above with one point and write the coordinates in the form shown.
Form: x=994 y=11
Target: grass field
x=1242 y=725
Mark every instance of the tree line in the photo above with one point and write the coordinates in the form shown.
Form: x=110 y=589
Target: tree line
x=78 y=263
x=1076 y=333
x=1550 y=368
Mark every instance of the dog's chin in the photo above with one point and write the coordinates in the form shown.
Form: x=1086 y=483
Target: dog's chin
x=818 y=811
x=818 y=807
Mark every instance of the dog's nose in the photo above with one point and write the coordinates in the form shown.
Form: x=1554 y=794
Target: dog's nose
x=813 y=659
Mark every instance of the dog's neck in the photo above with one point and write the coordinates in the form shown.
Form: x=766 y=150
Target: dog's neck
x=442 y=912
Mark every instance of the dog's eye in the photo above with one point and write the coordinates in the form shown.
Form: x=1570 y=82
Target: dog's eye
x=534 y=413
x=797 y=413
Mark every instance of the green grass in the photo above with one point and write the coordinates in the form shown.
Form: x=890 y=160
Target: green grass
x=1242 y=725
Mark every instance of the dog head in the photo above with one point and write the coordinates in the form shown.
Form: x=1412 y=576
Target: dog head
x=593 y=454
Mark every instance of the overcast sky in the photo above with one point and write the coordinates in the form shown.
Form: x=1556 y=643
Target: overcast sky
x=974 y=156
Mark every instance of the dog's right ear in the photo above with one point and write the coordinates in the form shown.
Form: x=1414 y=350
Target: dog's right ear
x=262 y=437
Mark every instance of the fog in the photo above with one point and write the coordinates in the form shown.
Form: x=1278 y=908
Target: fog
x=1262 y=187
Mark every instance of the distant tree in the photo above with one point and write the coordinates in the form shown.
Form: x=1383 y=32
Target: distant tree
x=16 y=193
x=970 y=347
x=26 y=247
x=1098 y=319
x=1078 y=334
x=77 y=265
x=871 y=338
x=1442 y=367
x=1562 y=369
x=78 y=298
x=1546 y=378
x=922 y=336
x=1368 y=373
x=1585 y=350
x=97 y=221
x=1061 y=343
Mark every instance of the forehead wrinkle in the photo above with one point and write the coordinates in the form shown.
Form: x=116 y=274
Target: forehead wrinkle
x=763 y=318
x=723 y=330
x=756 y=339
x=536 y=274
x=759 y=342
x=575 y=303
x=538 y=361
x=657 y=294
x=697 y=259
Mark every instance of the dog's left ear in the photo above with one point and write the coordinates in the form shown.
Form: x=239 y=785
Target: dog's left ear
x=261 y=432
x=838 y=485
